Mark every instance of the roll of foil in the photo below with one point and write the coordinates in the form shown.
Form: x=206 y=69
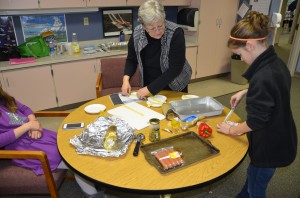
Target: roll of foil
x=90 y=141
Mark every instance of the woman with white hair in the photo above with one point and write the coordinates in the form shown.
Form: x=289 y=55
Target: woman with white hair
x=157 y=47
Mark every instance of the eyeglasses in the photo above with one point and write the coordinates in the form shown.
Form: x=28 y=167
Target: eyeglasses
x=158 y=28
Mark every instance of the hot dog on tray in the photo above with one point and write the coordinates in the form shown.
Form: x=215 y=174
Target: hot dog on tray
x=168 y=157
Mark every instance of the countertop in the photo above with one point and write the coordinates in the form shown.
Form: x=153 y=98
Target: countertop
x=66 y=58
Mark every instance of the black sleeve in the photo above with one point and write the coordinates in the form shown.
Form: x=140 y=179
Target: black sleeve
x=131 y=61
x=176 y=63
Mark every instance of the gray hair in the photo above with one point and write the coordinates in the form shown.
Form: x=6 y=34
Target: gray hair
x=151 y=11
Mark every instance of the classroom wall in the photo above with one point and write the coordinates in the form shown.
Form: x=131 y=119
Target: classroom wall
x=94 y=31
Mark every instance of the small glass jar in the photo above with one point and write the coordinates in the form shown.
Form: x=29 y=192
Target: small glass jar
x=154 y=132
x=175 y=123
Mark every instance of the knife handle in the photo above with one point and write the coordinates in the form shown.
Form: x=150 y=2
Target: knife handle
x=136 y=148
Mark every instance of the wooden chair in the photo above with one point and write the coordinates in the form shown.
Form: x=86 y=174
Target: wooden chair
x=19 y=181
x=110 y=78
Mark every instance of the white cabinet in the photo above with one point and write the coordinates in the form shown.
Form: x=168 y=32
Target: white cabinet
x=164 y=2
x=31 y=86
x=45 y=4
x=216 y=20
x=75 y=81
x=17 y=4
x=191 y=56
x=105 y=3
x=176 y=2
x=2 y=82
x=62 y=4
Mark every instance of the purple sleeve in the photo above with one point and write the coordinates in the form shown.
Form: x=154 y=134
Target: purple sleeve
x=24 y=109
x=7 y=138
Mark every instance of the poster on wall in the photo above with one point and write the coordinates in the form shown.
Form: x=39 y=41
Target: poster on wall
x=34 y=25
x=115 y=21
x=7 y=32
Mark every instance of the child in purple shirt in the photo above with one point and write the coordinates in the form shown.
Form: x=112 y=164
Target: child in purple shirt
x=20 y=130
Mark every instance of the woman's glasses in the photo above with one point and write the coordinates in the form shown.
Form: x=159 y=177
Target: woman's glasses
x=155 y=29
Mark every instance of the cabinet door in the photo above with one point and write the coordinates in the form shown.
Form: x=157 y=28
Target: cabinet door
x=207 y=38
x=135 y=2
x=106 y=3
x=176 y=2
x=214 y=29
x=2 y=85
x=191 y=56
x=17 y=5
x=227 y=19
x=75 y=81
x=164 y=2
x=31 y=86
x=62 y=4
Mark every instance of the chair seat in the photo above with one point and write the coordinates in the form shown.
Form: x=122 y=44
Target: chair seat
x=19 y=180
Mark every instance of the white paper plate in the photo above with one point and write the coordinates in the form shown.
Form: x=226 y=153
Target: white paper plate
x=156 y=101
x=188 y=97
x=94 y=108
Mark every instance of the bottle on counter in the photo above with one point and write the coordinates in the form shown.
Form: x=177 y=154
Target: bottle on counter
x=75 y=44
x=52 y=48
x=122 y=36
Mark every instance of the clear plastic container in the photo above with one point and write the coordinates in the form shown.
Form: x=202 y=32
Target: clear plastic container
x=52 y=48
x=75 y=44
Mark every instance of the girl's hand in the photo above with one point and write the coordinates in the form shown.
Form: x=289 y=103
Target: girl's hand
x=35 y=134
x=236 y=98
x=34 y=125
x=224 y=128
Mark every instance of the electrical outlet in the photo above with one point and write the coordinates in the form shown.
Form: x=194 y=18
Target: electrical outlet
x=85 y=21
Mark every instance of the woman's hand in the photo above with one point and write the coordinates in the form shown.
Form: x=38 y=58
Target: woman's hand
x=142 y=93
x=126 y=88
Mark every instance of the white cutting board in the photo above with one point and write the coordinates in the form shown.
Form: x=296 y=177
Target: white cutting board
x=136 y=115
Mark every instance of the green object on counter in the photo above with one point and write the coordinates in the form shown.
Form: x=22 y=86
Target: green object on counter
x=34 y=47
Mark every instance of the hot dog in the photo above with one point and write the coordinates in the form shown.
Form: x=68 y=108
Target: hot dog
x=179 y=159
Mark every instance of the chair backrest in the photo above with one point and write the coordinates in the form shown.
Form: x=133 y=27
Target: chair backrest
x=111 y=76
x=112 y=71
x=17 y=180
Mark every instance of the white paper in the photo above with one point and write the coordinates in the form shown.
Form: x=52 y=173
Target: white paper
x=243 y=10
x=136 y=115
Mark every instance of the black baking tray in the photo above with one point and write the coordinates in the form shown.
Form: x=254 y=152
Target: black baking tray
x=193 y=147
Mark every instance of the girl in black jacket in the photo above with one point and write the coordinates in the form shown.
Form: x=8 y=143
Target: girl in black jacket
x=270 y=126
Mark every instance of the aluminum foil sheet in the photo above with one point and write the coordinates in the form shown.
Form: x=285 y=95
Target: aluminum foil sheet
x=90 y=141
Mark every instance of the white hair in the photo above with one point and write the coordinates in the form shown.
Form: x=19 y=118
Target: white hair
x=151 y=11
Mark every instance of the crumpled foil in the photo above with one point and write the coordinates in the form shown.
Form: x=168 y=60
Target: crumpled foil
x=90 y=141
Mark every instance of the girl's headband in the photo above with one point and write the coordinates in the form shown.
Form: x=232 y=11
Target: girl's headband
x=247 y=39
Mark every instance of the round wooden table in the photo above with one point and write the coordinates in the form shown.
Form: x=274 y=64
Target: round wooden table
x=135 y=174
